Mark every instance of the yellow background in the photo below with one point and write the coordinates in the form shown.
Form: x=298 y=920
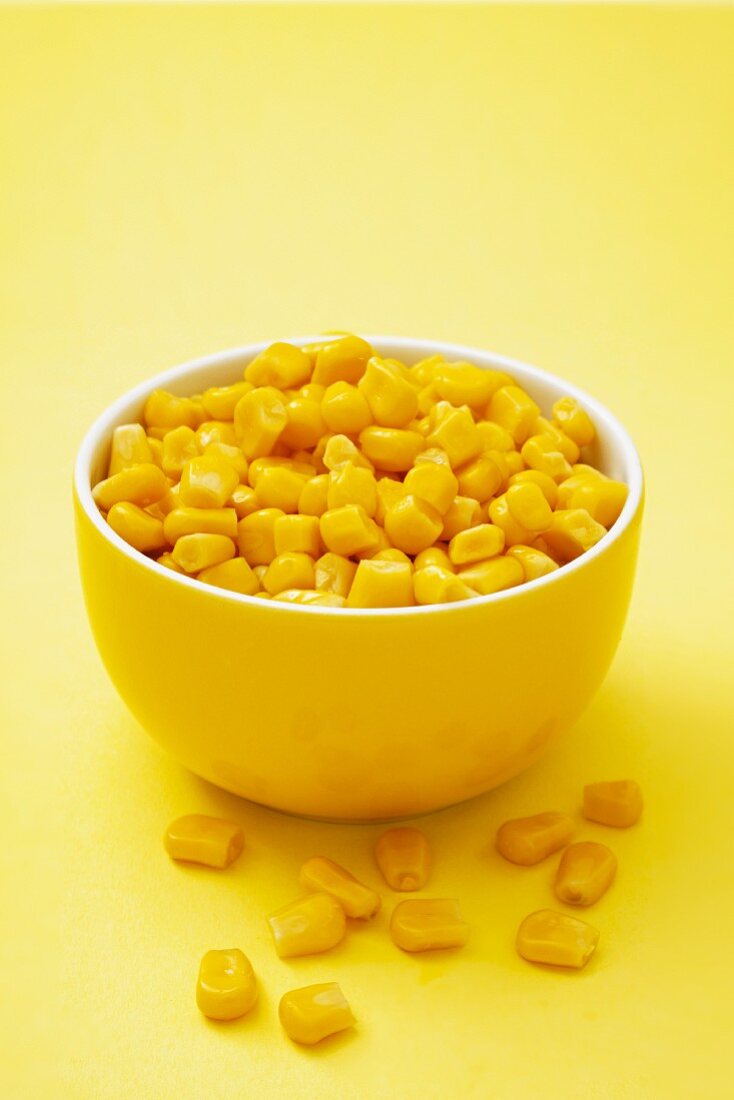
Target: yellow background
x=555 y=184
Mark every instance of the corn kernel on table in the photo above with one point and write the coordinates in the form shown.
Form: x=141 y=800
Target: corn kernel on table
x=554 y=183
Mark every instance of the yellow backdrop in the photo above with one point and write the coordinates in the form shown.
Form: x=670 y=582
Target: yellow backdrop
x=555 y=184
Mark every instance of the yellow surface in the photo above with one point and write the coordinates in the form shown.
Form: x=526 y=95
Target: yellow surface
x=555 y=184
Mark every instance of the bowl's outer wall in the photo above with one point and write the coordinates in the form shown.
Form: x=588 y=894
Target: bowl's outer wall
x=354 y=717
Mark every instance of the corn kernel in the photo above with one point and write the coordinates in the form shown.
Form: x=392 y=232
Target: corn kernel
x=433 y=482
x=347 y=530
x=529 y=508
x=382 y=584
x=546 y=484
x=216 y=431
x=563 y=443
x=513 y=462
x=297 y=533
x=495 y=438
x=572 y=532
x=235 y=576
x=391 y=554
x=339 y=450
x=156 y=450
x=305 y=423
x=540 y=452
x=212 y=841
x=427 y=399
x=382 y=542
x=534 y=562
x=289 y=570
x=388 y=491
x=482 y=477
x=423 y=371
x=141 y=485
x=352 y=484
x=574 y=421
x=314 y=495
x=164 y=410
x=244 y=501
x=281 y=365
x=465 y=512
x=585 y=872
x=313 y=1013
x=179 y=445
x=527 y=840
x=618 y=803
x=434 y=555
x=455 y=432
x=393 y=450
x=477 y=544
x=556 y=939
x=424 y=924
x=307 y=926
x=465 y=384
x=412 y=525
x=226 y=988
x=207 y=482
x=434 y=584
x=334 y=573
x=392 y=401
x=206 y=521
x=345 y=409
x=513 y=410
x=200 y=551
x=495 y=575
x=602 y=498
x=309 y=596
x=279 y=487
x=404 y=858
x=259 y=419
x=136 y=527
x=356 y=899
x=500 y=514
x=129 y=447
x=168 y=563
x=221 y=401
x=256 y=537
x=229 y=454
x=342 y=360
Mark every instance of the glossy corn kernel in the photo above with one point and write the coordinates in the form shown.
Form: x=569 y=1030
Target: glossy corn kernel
x=455 y=432
x=339 y=450
x=309 y=596
x=388 y=491
x=540 y=452
x=297 y=533
x=221 y=401
x=392 y=401
x=129 y=447
x=513 y=410
x=391 y=554
x=585 y=872
x=527 y=840
x=289 y=570
x=156 y=450
x=556 y=939
x=342 y=360
x=513 y=462
x=313 y=1013
x=313 y=497
x=141 y=485
x=206 y=521
x=574 y=421
x=258 y=466
x=617 y=803
x=404 y=858
x=234 y=576
x=352 y=484
x=140 y=530
x=424 y=924
x=477 y=544
x=167 y=562
x=226 y=988
x=483 y=477
x=230 y=454
x=412 y=524
x=307 y=926
x=495 y=575
x=200 y=551
x=244 y=501
x=211 y=841
x=305 y=423
x=382 y=542
x=434 y=555
x=393 y=450
x=179 y=445
x=529 y=507
x=256 y=536
x=495 y=438
x=572 y=532
x=546 y=484
x=356 y=899
x=601 y=497
x=259 y=419
x=216 y=431
x=281 y=365
x=465 y=512
x=564 y=443
x=347 y=530
x=433 y=482
x=500 y=514
x=423 y=371
x=334 y=573
x=534 y=562
x=434 y=584
x=345 y=409
x=280 y=487
x=207 y=482
x=465 y=384
x=382 y=584
x=165 y=410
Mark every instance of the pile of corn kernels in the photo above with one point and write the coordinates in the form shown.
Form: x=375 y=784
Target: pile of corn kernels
x=317 y=921
x=332 y=476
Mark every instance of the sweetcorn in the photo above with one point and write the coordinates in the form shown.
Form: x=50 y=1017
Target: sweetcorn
x=442 y=481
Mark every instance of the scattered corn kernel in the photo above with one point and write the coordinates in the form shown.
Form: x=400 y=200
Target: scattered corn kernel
x=230 y=454
x=313 y=1013
x=234 y=575
x=207 y=521
x=434 y=482
x=207 y=482
x=226 y=988
x=424 y=924
x=574 y=421
x=297 y=533
x=500 y=514
x=529 y=507
x=136 y=527
x=495 y=575
x=477 y=544
x=465 y=384
x=382 y=584
x=534 y=562
x=455 y=432
x=348 y=530
x=141 y=485
x=412 y=524
x=167 y=561
x=256 y=536
x=339 y=450
x=546 y=484
x=342 y=360
x=435 y=584
x=356 y=899
x=352 y=484
x=465 y=512
x=617 y=803
x=165 y=410
x=434 y=555
x=281 y=365
x=307 y=926
x=572 y=532
x=392 y=401
x=244 y=501
x=602 y=498
x=527 y=840
x=216 y=431
x=200 y=551
x=313 y=500
x=345 y=409
x=197 y=838
x=482 y=477
x=514 y=411
x=334 y=573
x=556 y=939
x=259 y=419
x=221 y=401
x=308 y=596
x=289 y=570
x=540 y=452
x=393 y=450
x=129 y=447
x=305 y=423
x=404 y=858
x=585 y=872
x=391 y=554
x=179 y=445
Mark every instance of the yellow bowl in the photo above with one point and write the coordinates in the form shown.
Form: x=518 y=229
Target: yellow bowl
x=355 y=714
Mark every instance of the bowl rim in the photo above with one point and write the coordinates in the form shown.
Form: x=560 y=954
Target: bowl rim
x=108 y=419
